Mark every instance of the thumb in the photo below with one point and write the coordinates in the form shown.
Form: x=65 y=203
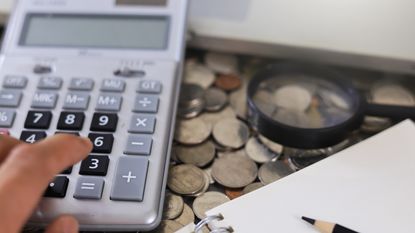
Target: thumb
x=63 y=224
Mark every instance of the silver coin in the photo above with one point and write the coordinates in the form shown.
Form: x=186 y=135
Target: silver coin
x=222 y=63
x=234 y=171
x=205 y=187
x=298 y=163
x=186 y=217
x=258 y=152
x=241 y=152
x=392 y=94
x=186 y=179
x=199 y=155
x=215 y=99
x=199 y=74
x=238 y=101
x=231 y=133
x=208 y=171
x=273 y=146
x=252 y=187
x=375 y=124
x=168 y=226
x=191 y=101
x=293 y=97
x=192 y=132
x=173 y=206
x=272 y=171
x=213 y=118
x=208 y=201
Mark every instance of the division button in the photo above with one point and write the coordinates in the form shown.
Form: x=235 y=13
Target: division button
x=141 y=123
x=57 y=188
x=81 y=84
x=109 y=102
x=95 y=165
x=138 y=145
x=38 y=120
x=76 y=101
x=146 y=104
x=10 y=98
x=130 y=179
x=15 y=81
x=149 y=86
x=43 y=99
x=32 y=136
x=89 y=188
x=113 y=85
x=50 y=83
x=104 y=122
x=7 y=117
x=71 y=120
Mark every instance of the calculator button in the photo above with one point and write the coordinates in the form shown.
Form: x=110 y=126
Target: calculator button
x=104 y=122
x=129 y=73
x=42 y=69
x=102 y=142
x=50 y=83
x=38 y=120
x=109 y=102
x=89 y=188
x=7 y=118
x=113 y=85
x=81 y=84
x=142 y=124
x=32 y=136
x=14 y=81
x=149 y=86
x=95 y=165
x=58 y=187
x=43 y=99
x=138 y=145
x=146 y=104
x=76 y=101
x=130 y=179
x=10 y=98
x=67 y=171
x=71 y=120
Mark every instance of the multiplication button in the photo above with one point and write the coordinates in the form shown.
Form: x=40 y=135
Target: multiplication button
x=89 y=188
x=141 y=123
x=15 y=81
x=146 y=104
x=138 y=145
x=10 y=98
x=76 y=101
x=130 y=179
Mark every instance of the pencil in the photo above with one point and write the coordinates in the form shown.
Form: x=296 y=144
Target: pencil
x=328 y=227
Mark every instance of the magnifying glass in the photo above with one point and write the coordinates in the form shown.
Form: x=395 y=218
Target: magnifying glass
x=304 y=106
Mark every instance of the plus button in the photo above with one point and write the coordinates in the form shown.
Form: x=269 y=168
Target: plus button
x=129 y=177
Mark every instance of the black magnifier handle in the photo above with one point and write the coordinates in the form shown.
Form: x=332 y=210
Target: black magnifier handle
x=390 y=111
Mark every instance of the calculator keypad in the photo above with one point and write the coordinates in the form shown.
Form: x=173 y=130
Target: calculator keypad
x=89 y=188
x=102 y=142
x=76 y=101
x=109 y=102
x=106 y=122
x=32 y=136
x=71 y=120
x=146 y=104
x=38 y=120
x=14 y=81
x=7 y=117
x=10 y=98
x=138 y=145
x=58 y=187
x=44 y=99
x=95 y=165
x=50 y=83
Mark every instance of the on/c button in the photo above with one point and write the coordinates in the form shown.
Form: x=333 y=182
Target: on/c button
x=130 y=179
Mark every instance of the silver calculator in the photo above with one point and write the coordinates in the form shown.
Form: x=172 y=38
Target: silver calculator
x=109 y=70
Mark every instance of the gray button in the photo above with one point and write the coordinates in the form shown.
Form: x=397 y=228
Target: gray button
x=89 y=188
x=114 y=85
x=146 y=103
x=81 y=84
x=109 y=102
x=14 y=81
x=149 y=86
x=138 y=145
x=7 y=117
x=142 y=124
x=10 y=98
x=53 y=83
x=76 y=100
x=130 y=179
x=43 y=99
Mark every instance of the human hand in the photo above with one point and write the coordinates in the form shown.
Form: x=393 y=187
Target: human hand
x=25 y=172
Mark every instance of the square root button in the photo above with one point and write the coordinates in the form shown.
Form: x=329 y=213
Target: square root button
x=130 y=179
x=138 y=145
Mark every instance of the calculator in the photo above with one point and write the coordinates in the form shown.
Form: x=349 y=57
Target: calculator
x=109 y=70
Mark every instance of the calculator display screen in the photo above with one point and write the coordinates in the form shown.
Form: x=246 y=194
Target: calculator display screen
x=95 y=31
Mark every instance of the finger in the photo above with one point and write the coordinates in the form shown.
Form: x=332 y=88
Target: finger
x=27 y=171
x=7 y=143
x=64 y=224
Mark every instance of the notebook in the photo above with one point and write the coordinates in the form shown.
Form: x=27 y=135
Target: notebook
x=369 y=187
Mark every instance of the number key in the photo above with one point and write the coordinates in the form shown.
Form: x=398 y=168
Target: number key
x=95 y=165
x=32 y=136
x=102 y=142
x=104 y=122
x=38 y=120
x=71 y=120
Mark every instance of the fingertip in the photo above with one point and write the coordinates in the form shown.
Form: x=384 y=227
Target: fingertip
x=64 y=224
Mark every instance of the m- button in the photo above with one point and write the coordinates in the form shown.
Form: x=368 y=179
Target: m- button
x=78 y=101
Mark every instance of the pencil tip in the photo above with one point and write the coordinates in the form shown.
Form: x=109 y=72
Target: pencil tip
x=309 y=220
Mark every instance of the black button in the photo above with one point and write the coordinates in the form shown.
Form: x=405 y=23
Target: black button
x=104 y=122
x=38 y=120
x=71 y=120
x=102 y=142
x=57 y=188
x=67 y=171
x=95 y=165
x=32 y=136
x=42 y=69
